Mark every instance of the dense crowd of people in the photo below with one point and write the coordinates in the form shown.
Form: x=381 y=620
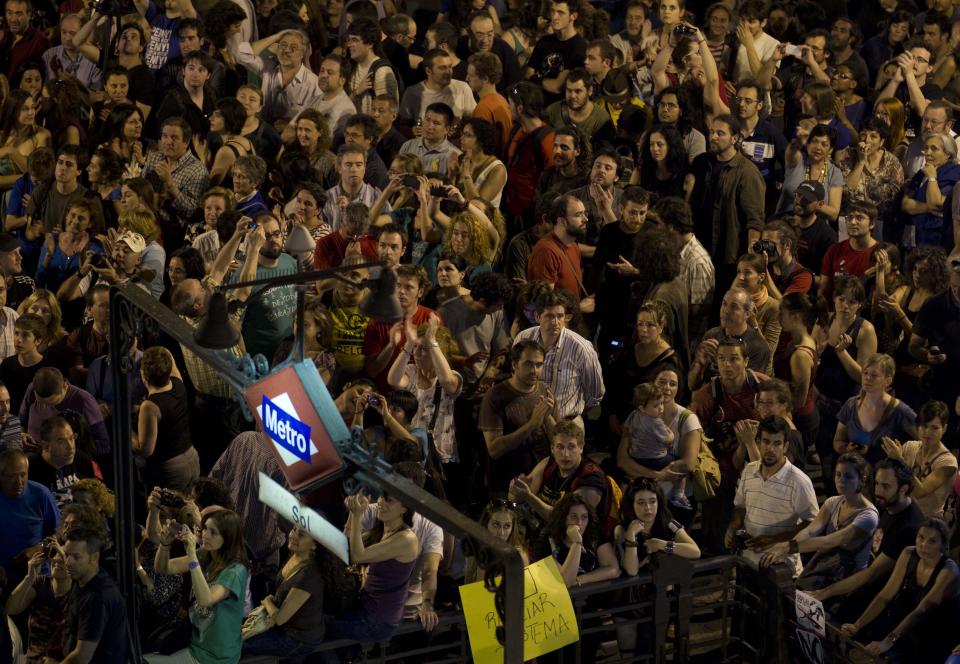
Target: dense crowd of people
x=676 y=280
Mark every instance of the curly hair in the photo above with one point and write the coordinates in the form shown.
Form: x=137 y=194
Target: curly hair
x=218 y=19
x=102 y=496
x=676 y=160
x=935 y=277
x=479 y=250
x=659 y=255
x=141 y=219
x=324 y=139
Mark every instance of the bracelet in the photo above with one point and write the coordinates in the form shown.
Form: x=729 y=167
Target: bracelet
x=140 y=570
x=892 y=637
x=193 y=564
x=793 y=546
x=669 y=548
x=628 y=543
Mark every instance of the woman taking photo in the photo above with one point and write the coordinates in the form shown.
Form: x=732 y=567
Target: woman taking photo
x=840 y=536
x=45 y=592
x=809 y=157
x=795 y=361
x=295 y=612
x=228 y=120
x=19 y=136
x=641 y=361
x=865 y=420
x=389 y=550
x=926 y=197
x=501 y=519
x=934 y=466
x=480 y=173
x=844 y=342
x=218 y=577
x=872 y=172
x=752 y=277
x=908 y=620
x=663 y=162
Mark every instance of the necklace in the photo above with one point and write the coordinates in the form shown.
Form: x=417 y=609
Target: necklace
x=822 y=179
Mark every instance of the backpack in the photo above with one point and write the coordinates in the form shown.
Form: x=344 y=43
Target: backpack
x=536 y=137
x=376 y=65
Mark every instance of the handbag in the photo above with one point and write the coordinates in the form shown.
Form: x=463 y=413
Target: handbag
x=256 y=622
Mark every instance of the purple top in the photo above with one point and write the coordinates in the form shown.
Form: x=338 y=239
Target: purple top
x=385 y=590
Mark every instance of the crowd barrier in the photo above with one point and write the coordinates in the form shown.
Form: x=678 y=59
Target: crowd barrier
x=718 y=610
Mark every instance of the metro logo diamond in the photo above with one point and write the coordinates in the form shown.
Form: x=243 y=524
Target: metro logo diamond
x=286 y=430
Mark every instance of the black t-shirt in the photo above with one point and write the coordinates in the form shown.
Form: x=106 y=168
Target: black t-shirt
x=60 y=481
x=551 y=56
x=98 y=613
x=503 y=411
x=142 y=85
x=897 y=531
x=939 y=323
x=814 y=242
x=613 y=297
x=17 y=378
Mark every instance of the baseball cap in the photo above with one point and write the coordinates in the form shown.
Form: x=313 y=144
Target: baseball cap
x=133 y=240
x=8 y=242
x=810 y=191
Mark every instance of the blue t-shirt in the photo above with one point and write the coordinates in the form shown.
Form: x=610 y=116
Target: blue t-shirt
x=26 y=520
x=164 y=43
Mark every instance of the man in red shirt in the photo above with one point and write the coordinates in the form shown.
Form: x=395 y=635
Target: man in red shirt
x=483 y=74
x=556 y=257
x=529 y=151
x=20 y=41
x=384 y=341
x=854 y=255
x=352 y=235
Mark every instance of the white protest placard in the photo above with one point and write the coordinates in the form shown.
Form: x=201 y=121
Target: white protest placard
x=810 y=614
x=290 y=508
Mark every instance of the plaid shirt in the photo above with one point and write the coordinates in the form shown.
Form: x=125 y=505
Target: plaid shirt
x=697 y=271
x=205 y=378
x=191 y=178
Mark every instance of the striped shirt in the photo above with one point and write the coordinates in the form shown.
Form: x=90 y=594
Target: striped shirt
x=572 y=372
x=776 y=505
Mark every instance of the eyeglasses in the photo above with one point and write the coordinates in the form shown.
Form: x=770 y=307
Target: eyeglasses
x=275 y=234
x=924 y=61
x=288 y=46
x=501 y=504
x=745 y=100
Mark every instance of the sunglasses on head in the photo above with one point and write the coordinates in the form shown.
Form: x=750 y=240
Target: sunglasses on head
x=501 y=504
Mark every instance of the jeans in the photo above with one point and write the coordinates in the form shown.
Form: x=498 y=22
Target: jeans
x=356 y=627
x=275 y=642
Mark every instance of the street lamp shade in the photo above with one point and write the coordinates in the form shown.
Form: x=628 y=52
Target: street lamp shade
x=216 y=330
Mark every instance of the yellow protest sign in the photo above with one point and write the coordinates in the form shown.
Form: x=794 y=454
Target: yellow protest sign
x=549 y=621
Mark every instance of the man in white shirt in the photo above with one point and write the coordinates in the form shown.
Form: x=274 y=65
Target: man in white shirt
x=331 y=78
x=440 y=86
x=775 y=500
x=571 y=367
x=288 y=84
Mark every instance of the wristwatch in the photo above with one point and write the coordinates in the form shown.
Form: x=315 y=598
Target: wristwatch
x=669 y=547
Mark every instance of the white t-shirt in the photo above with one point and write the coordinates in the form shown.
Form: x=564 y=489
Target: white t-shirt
x=764 y=45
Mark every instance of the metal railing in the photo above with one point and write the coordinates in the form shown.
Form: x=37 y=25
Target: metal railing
x=724 y=607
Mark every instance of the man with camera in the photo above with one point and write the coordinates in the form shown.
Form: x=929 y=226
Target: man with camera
x=785 y=275
x=29 y=514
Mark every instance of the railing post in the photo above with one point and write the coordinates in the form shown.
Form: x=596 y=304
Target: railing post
x=669 y=574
